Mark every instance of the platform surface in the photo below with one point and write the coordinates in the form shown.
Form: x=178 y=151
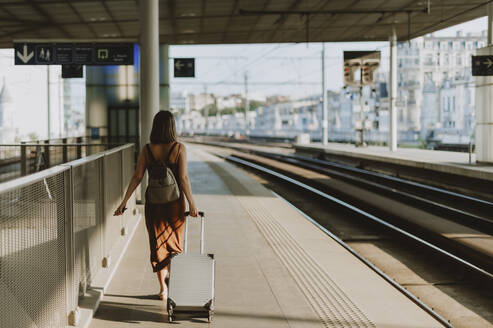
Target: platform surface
x=273 y=267
x=438 y=160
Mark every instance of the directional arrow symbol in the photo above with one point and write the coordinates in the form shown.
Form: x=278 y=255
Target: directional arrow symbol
x=488 y=62
x=25 y=57
x=179 y=64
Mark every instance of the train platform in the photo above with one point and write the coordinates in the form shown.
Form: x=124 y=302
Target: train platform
x=274 y=268
x=456 y=163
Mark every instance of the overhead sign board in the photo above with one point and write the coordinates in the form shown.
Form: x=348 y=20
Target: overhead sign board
x=74 y=53
x=482 y=65
x=184 y=67
x=70 y=71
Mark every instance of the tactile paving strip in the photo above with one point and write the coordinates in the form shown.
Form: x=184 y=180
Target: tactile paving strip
x=329 y=301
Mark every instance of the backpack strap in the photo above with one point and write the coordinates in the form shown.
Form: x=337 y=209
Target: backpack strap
x=170 y=151
x=150 y=153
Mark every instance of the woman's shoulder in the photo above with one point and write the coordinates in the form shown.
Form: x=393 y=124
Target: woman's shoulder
x=179 y=145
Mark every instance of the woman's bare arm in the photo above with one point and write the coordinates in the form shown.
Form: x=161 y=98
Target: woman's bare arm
x=134 y=182
x=185 y=181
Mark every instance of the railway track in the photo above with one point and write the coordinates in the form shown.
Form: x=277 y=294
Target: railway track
x=463 y=209
x=460 y=224
x=412 y=236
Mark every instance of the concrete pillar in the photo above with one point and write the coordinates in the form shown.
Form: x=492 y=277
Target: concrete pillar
x=489 y=8
x=149 y=69
x=164 y=102
x=484 y=113
x=484 y=102
x=393 y=93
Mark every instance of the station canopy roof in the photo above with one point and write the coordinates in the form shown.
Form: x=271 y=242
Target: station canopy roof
x=233 y=21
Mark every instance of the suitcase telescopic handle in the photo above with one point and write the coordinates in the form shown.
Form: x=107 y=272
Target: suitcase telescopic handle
x=187 y=213
x=185 y=242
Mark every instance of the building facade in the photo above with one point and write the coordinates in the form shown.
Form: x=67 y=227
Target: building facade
x=429 y=66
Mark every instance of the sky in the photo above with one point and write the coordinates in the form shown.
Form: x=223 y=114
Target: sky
x=271 y=69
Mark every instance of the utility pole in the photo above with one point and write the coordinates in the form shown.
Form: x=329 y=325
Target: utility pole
x=361 y=115
x=325 y=122
x=393 y=93
x=247 y=105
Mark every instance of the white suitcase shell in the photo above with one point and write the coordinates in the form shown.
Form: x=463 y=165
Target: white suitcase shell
x=191 y=282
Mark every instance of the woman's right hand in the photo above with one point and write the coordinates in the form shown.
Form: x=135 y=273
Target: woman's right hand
x=193 y=210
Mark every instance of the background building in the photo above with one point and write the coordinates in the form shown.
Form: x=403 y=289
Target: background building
x=7 y=129
x=433 y=72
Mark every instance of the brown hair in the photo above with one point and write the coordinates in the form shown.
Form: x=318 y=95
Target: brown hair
x=163 y=128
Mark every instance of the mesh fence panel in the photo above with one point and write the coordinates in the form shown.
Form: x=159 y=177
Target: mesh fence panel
x=87 y=223
x=112 y=198
x=32 y=255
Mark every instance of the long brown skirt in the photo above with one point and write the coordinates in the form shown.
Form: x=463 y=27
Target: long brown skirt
x=165 y=225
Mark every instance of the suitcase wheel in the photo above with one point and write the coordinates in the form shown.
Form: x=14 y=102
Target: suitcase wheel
x=170 y=313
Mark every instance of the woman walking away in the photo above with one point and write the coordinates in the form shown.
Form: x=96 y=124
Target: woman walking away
x=164 y=214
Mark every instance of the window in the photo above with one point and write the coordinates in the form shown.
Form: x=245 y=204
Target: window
x=428 y=59
x=459 y=60
x=446 y=59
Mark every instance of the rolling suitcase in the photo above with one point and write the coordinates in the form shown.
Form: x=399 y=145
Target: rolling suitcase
x=191 y=280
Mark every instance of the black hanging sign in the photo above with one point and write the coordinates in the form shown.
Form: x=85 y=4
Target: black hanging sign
x=28 y=53
x=184 y=67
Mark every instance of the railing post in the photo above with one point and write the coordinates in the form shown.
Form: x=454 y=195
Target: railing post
x=64 y=151
x=23 y=159
x=79 y=147
x=73 y=313
x=47 y=153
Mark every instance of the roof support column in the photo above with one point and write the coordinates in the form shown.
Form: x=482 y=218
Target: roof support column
x=149 y=70
x=164 y=77
x=484 y=103
x=490 y=23
x=393 y=93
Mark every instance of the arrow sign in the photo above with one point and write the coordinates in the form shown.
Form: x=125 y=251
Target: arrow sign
x=184 y=67
x=488 y=62
x=482 y=65
x=179 y=65
x=52 y=53
x=26 y=56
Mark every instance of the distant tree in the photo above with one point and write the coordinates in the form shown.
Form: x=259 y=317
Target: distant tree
x=32 y=136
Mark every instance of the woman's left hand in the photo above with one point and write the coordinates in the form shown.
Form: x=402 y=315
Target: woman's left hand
x=120 y=209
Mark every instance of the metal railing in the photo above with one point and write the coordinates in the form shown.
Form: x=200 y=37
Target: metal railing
x=26 y=158
x=57 y=234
